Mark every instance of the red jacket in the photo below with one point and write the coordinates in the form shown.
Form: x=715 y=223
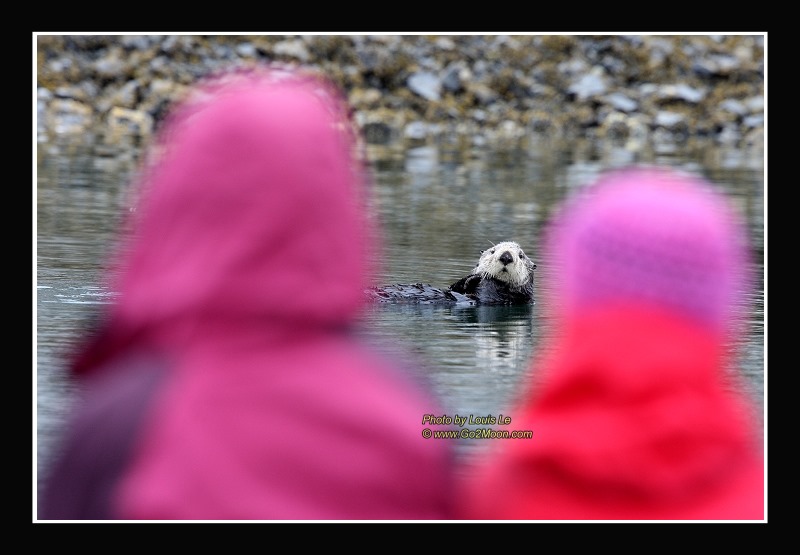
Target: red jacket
x=632 y=419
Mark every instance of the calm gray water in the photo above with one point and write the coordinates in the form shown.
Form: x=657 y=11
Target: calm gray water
x=439 y=208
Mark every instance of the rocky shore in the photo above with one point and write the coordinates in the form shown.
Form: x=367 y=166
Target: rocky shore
x=629 y=89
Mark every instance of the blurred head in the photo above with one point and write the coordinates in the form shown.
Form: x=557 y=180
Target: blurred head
x=652 y=237
x=252 y=207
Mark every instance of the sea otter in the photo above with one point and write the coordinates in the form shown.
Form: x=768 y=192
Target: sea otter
x=503 y=276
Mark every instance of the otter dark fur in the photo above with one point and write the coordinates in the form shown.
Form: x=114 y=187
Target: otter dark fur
x=503 y=276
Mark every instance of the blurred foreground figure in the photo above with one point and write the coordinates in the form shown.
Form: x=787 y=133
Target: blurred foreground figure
x=632 y=413
x=226 y=382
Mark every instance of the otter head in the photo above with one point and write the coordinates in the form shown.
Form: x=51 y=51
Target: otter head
x=506 y=262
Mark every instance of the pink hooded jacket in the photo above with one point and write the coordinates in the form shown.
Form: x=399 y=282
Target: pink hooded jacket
x=243 y=276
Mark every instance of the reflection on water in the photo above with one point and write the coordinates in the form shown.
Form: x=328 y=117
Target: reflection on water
x=475 y=357
x=438 y=209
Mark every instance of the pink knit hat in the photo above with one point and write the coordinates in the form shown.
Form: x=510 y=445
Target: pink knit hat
x=650 y=235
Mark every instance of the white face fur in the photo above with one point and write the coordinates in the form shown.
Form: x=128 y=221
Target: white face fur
x=495 y=263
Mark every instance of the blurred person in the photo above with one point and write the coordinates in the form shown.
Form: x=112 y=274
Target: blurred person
x=632 y=406
x=227 y=381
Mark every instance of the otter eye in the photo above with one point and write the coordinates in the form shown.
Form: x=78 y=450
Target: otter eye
x=491 y=251
x=521 y=254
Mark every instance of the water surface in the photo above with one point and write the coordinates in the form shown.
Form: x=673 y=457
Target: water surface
x=438 y=207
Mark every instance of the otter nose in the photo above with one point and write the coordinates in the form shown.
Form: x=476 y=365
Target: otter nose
x=506 y=258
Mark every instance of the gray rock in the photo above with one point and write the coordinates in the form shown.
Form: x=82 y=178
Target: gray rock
x=247 y=50
x=416 y=130
x=621 y=102
x=753 y=121
x=755 y=103
x=425 y=84
x=110 y=66
x=681 y=91
x=452 y=80
x=734 y=106
x=138 y=42
x=715 y=65
x=589 y=85
x=293 y=49
x=669 y=120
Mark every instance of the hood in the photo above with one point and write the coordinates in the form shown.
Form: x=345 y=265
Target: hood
x=252 y=208
x=654 y=235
